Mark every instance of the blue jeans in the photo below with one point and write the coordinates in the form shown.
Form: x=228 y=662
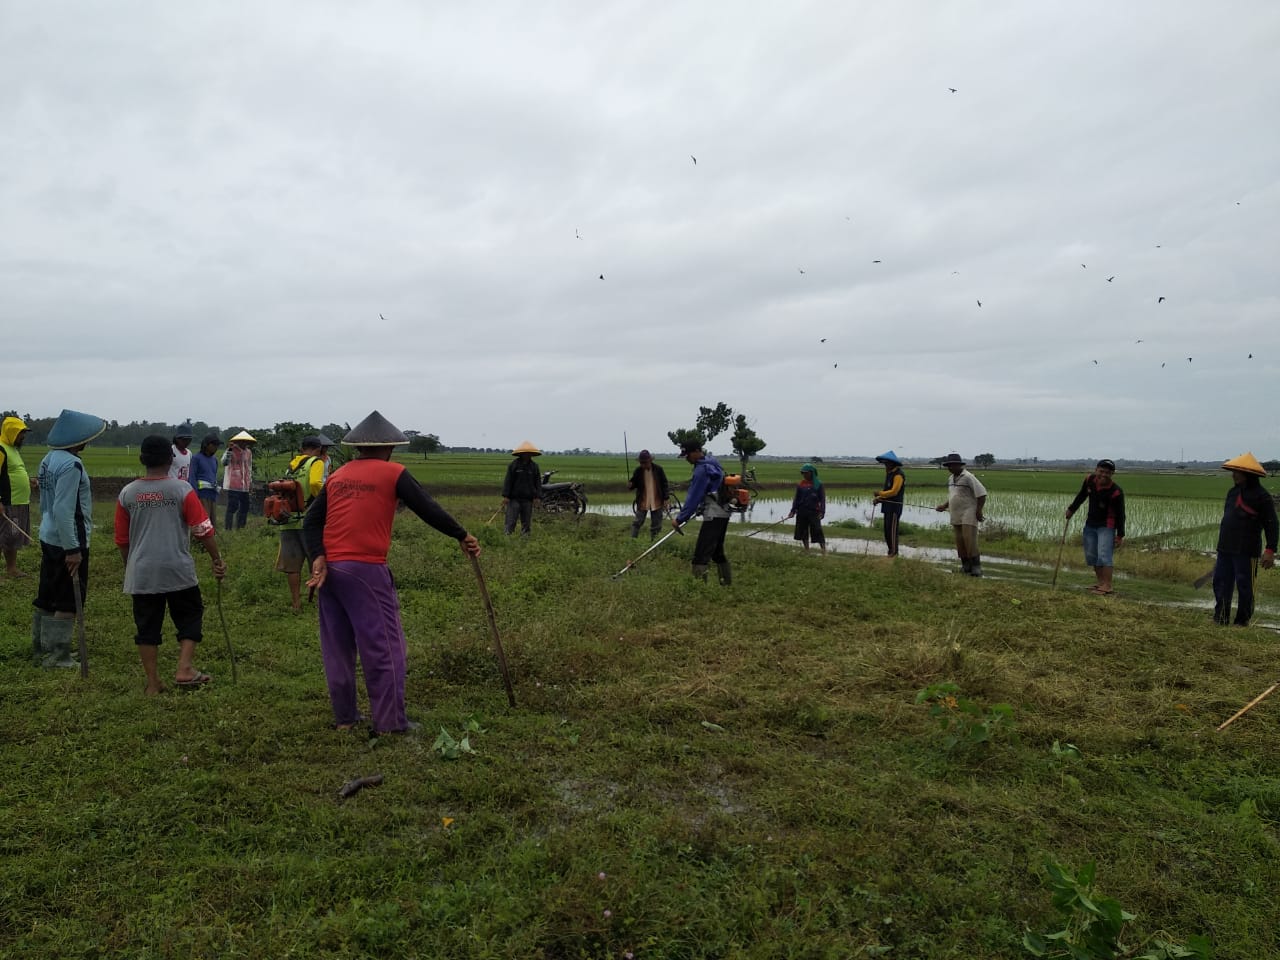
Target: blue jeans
x=1099 y=546
x=237 y=508
x=1234 y=570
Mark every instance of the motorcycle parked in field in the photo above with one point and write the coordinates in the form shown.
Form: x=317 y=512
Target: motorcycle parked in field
x=567 y=498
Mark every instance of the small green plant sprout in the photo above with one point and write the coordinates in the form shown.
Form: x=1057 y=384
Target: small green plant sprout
x=449 y=748
x=1089 y=925
x=1067 y=751
x=961 y=719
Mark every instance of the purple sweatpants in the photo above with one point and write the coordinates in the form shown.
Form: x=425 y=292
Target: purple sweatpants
x=360 y=614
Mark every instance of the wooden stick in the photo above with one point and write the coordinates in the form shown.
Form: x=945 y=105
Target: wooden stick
x=1249 y=706
x=493 y=627
x=1061 y=543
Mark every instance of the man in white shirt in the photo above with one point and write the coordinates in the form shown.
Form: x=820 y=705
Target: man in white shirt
x=180 y=469
x=966 y=496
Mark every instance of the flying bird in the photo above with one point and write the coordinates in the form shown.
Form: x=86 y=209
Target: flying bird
x=576 y=234
x=1159 y=299
x=1137 y=341
x=824 y=340
x=952 y=89
x=875 y=261
x=1109 y=279
x=1251 y=356
x=1188 y=359
x=799 y=269
x=834 y=365
x=1162 y=366
x=694 y=159
x=1095 y=363
x=979 y=303
x=381 y=317
x=602 y=276
x=1082 y=265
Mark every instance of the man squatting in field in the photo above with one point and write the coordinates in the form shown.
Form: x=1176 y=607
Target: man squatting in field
x=1104 y=523
x=308 y=469
x=348 y=534
x=15 y=495
x=66 y=504
x=1249 y=514
x=891 y=498
x=702 y=498
x=153 y=516
x=966 y=496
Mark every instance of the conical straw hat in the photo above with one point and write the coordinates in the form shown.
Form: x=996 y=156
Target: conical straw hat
x=375 y=430
x=73 y=429
x=1245 y=463
x=245 y=437
x=526 y=447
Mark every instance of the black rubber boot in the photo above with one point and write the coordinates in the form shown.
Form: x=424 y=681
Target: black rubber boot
x=37 y=647
x=965 y=564
x=975 y=568
x=55 y=640
x=726 y=573
x=700 y=572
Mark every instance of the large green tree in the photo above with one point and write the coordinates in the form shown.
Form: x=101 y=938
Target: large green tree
x=713 y=421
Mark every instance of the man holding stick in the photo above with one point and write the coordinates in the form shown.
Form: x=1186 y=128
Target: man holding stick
x=348 y=533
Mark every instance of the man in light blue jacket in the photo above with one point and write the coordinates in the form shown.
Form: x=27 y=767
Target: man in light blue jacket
x=66 y=509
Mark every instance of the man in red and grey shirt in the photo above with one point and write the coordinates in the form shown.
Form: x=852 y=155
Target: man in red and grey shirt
x=347 y=531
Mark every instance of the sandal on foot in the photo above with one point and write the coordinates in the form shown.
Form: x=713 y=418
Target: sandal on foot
x=199 y=680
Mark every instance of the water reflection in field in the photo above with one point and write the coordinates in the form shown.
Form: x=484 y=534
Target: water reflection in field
x=1170 y=522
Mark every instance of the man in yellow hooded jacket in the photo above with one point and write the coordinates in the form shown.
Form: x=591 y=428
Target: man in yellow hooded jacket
x=15 y=495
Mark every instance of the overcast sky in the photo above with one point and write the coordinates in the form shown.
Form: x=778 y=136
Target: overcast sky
x=251 y=213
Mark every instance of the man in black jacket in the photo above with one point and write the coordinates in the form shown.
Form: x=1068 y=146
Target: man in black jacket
x=1250 y=513
x=649 y=481
x=522 y=488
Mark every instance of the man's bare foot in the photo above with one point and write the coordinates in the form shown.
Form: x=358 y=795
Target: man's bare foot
x=16 y=575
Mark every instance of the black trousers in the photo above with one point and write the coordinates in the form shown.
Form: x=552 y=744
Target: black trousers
x=710 y=545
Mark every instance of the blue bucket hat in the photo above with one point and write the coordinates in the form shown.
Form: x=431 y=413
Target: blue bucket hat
x=74 y=429
x=889 y=457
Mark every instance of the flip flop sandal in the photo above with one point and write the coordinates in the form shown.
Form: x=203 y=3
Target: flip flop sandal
x=199 y=680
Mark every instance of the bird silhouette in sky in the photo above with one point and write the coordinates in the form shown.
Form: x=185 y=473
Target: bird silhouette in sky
x=875 y=261
x=1188 y=359
x=1162 y=366
x=602 y=276
x=834 y=366
x=1109 y=279
x=1095 y=363
x=381 y=317
x=1137 y=341
x=694 y=159
x=799 y=269
x=979 y=303
x=576 y=234
x=952 y=89
x=1159 y=299
x=824 y=340
x=1082 y=265
x=1251 y=356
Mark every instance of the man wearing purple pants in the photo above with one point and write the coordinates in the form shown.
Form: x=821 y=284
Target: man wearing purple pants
x=347 y=530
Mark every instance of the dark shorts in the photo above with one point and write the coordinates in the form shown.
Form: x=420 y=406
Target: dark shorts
x=55 y=594
x=293 y=552
x=11 y=536
x=809 y=528
x=186 y=610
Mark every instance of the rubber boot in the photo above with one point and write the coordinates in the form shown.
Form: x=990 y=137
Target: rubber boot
x=965 y=564
x=975 y=567
x=700 y=572
x=726 y=573
x=635 y=528
x=55 y=637
x=38 y=618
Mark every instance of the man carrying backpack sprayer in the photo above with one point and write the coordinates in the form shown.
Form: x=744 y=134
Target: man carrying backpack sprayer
x=703 y=498
x=308 y=469
x=891 y=497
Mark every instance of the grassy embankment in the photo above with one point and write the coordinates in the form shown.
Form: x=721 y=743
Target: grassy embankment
x=821 y=813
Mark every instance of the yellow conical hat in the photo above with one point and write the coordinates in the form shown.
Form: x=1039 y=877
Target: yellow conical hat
x=526 y=447
x=1245 y=463
x=246 y=436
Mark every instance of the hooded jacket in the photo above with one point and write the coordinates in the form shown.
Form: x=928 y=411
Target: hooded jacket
x=1248 y=515
x=15 y=482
